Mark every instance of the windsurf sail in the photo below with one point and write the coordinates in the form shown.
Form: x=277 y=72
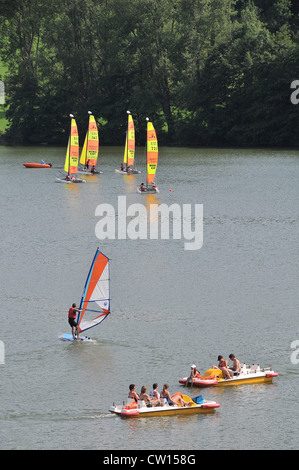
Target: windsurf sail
x=95 y=301
x=72 y=152
x=90 y=149
x=151 y=152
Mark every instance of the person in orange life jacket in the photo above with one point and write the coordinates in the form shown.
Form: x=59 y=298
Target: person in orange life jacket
x=72 y=320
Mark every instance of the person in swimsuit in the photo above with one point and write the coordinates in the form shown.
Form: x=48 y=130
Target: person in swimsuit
x=154 y=393
x=132 y=392
x=236 y=363
x=177 y=400
x=193 y=375
x=227 y=373
x=148 y=400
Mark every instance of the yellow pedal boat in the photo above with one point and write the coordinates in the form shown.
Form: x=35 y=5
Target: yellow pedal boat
x=195 y=405
x=253 y=374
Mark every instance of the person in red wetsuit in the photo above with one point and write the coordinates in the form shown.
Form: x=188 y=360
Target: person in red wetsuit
x=72 y=320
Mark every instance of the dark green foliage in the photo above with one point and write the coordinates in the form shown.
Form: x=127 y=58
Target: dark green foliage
x=206 y=72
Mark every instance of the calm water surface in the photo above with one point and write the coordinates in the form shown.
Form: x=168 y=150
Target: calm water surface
x=170 y=307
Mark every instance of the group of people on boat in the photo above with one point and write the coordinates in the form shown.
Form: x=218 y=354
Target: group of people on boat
x=144 y=187
x=227 y=372
x=128 y=168
x=70 y=177
x=86 y=167
x=155 y=398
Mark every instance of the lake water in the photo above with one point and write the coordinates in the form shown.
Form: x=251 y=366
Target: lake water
x=170 y=307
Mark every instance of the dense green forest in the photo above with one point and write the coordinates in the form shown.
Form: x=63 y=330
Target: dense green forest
x=207 y=72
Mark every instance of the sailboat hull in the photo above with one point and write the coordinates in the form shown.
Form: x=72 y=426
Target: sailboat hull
x=97 y=172
x=62 y=180
x=132 y=172
x=147 y=190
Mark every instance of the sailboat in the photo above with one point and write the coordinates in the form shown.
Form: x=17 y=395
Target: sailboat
x=151 y=161
x=90 y=151
x=95 y=301
x=127 y=167
x=72 y=156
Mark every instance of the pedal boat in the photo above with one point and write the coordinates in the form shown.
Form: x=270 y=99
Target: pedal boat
x=253 y=374
x=140 y=409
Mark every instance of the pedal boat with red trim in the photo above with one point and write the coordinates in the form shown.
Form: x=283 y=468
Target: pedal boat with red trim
x=140 y=409
x=37 y=165
x=253 y=374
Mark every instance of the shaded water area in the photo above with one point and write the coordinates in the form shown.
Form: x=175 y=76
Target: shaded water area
x=170 y=307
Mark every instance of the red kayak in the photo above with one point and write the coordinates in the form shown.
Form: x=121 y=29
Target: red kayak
x=37 y=165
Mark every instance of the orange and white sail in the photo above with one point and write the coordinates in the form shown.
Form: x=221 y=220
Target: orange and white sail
x=90 y=149
x=95 y=301
x=72 y=152
x=151 y=152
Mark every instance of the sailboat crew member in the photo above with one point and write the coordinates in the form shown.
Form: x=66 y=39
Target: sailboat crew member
x=72 y=320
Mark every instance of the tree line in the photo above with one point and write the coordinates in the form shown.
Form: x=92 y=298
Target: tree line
x=206 y=72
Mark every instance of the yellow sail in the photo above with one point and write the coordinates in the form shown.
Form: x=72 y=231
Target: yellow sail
x=72 y=152
x=90 y=149
x=151 y=152
x=126 y=151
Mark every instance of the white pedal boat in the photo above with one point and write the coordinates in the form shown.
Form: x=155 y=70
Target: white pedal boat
x=140 y=409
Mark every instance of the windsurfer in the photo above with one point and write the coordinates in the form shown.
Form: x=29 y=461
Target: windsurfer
x=72 y=321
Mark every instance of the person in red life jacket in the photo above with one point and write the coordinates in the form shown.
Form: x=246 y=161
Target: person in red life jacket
x=72 y=320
